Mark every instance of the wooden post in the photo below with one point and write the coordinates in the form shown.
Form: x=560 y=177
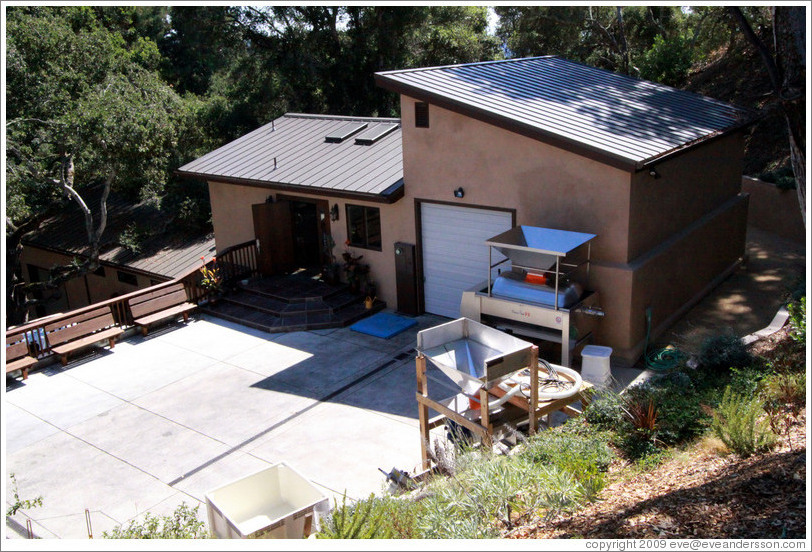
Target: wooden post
x=534 y=388
x=485 y=416
x=423 y=410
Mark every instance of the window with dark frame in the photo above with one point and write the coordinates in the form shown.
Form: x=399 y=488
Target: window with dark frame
x=364 y=226
x=127 y=278
x=421 y=115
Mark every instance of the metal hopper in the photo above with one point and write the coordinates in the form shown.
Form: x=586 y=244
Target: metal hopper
x=537 y=248
x=472 y=354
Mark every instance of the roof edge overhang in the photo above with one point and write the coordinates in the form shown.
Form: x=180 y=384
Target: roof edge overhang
x=102 y=262
x=680 y=150
x=553 y=139
x=392 y=194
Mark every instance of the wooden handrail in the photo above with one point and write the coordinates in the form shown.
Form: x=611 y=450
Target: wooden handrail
x=238 y=261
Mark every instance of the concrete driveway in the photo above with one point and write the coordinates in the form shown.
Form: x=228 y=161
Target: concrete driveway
x=162 y=420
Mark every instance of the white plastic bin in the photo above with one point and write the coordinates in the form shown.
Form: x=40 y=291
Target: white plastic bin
x=275 y=503
x=595 y=365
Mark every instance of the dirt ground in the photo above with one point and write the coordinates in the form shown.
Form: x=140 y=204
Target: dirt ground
x=699 y=494
x=749 y=298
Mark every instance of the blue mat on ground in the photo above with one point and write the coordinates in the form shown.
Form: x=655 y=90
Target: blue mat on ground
x=383 y=324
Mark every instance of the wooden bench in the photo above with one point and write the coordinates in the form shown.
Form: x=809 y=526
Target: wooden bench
x=81 y=331
x=156 y=306
x=18 y=356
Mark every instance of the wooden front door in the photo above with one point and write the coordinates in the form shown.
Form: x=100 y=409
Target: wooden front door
x=274 y=229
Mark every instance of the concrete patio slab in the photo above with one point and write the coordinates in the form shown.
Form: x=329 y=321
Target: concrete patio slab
x=164 y=419
x=217 y=339
x=134 y=370
x=147 y=435
x=313 y=365
x=216 y=474
x=72 y=475
x=224 y=402
x=43 y=396
x=340 y=448
x=23 y=428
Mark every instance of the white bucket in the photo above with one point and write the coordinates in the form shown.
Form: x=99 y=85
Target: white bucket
x=595 y=366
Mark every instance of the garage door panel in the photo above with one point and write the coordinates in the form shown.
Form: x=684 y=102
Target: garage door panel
x=455 y=256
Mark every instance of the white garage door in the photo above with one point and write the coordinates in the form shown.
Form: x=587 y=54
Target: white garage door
x=455 y=256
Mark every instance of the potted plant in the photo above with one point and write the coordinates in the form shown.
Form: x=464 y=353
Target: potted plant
x=354 y=270
x=211 y=280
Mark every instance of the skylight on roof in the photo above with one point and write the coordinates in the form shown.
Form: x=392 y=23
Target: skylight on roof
x=375 y=133
x=345 y=131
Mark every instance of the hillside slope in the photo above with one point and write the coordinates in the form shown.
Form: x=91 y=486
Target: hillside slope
x=740 y=78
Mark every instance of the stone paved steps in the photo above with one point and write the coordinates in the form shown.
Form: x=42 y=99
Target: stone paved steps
x=294 y=303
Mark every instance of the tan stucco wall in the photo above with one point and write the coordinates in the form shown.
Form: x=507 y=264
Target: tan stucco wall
x=547 y=186
x=77 y=290
x=774 y=210
x=233 y=224
x=688 y=187
x=681 y=270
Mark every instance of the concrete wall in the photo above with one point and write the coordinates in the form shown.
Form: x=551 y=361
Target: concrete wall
x=83 y=291
x=774 y=210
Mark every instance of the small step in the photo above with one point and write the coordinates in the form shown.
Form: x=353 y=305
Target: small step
x=249 y=299
x=290 y=323
x=342 y=299
x=242 y=315
x=292 y=289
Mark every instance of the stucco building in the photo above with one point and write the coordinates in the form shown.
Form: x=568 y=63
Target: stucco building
x=653 y=171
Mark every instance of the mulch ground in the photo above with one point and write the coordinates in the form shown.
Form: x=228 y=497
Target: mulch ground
x=699 y=494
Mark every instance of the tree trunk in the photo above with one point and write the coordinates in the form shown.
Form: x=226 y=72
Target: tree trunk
x=789 y=32
x=787 y=72
x=19 y=300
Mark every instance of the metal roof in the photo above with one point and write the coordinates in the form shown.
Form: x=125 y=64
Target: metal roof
x=617 y=119
x=169 y=254
x=313 y=154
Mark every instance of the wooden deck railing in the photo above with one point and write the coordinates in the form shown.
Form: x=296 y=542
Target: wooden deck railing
x=238 y=262
x=36 y=335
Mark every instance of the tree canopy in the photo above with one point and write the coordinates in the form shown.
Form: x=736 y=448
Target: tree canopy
x=120 y=96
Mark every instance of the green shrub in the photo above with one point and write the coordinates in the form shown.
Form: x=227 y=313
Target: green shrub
x=605 y=410
x=679 y=414
x=783 y=177
x=786 y=390
x=797 y=320
x=720 y=353
x=739 y=423
x=667 y=61
x=570 y=448
x=19 y=503
x=745 y=381
x=182 y=524
x=362 y=520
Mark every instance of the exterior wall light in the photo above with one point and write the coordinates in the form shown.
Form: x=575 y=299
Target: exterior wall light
x=654 y=173
x=459 y=192
x=334 y=212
